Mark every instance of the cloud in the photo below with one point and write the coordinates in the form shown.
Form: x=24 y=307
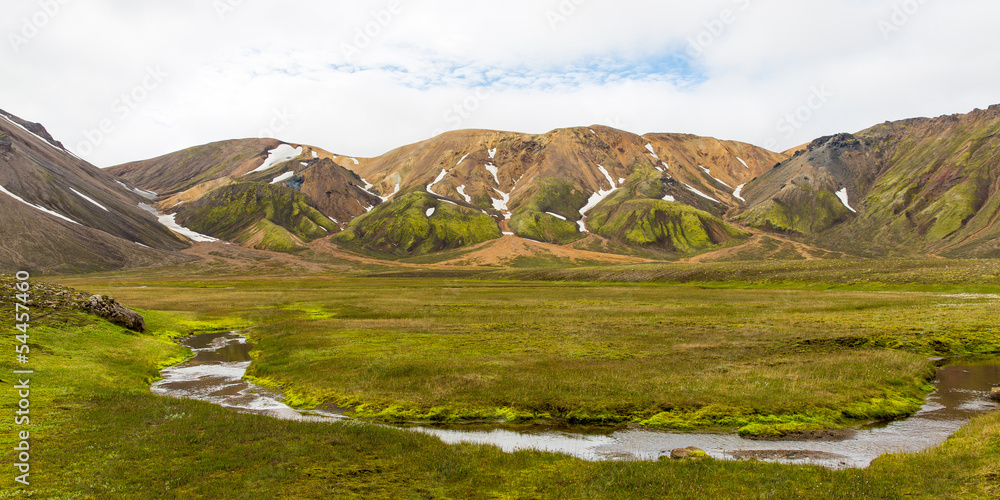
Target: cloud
x=363 y=77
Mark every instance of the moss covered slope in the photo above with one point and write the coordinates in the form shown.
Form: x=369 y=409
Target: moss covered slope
x=262 y=216
x=416 y=224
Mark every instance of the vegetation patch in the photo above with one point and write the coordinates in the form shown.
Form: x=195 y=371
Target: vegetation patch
x=417 y=224
x=262 y=216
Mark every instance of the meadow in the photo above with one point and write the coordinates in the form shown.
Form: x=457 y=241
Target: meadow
x=712 y=350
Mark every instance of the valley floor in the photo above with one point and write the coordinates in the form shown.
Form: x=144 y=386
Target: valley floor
x=760 y=349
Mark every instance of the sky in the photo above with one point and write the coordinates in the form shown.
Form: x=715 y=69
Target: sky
x=124 y=80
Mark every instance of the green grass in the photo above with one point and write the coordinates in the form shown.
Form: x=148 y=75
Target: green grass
x=755 y=358
x=99 y=433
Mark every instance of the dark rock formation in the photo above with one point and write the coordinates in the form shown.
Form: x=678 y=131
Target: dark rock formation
x=111 y=310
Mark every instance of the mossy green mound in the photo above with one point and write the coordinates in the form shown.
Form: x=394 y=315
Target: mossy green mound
x=811 y=212
x=417 y=224
x=266 y=217
x=550 y=213
x=668 y=225
x=541 y=226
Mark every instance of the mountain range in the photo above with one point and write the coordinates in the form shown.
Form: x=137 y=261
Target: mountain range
x=911 y=188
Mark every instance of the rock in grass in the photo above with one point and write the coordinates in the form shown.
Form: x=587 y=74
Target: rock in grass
x=111 y=310
x=995 y=394
x=691 y=452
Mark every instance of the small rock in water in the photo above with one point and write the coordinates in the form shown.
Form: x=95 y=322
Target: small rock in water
x=995 y=394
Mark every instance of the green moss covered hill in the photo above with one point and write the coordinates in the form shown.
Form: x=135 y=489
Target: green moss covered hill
x=416 y=224
x=262 y=216
x=913 y=187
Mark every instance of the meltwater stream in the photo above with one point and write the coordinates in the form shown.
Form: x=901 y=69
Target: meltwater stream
x=215 y=375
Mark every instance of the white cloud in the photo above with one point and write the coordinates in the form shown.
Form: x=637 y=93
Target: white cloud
x=442 y=64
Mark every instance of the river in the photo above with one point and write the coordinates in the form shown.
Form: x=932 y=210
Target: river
x=215 y=374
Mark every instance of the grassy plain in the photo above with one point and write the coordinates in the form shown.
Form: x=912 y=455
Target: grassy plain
x=723 y=352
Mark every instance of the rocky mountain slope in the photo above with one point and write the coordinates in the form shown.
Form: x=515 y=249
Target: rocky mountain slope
x=661 y=191
x=909 y=188
x=918 y=186
x=62 y=214
x=261 y=193
x=667 y=192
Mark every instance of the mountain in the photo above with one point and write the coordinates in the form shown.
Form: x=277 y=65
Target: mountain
x=586 y=186
x=261 y=193
x=912 y=187
x=64 y=215
x=666 y=192
x=908 y=188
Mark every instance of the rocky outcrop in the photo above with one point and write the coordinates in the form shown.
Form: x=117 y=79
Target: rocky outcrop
x=995 y=394
x=49 y=296
x=111 y=310
x=5 y=145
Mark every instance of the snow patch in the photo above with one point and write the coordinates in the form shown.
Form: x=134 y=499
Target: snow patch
x=506 y=233
x=144 y=246
x=394 y=193
x=596 y=198
x=739 y=192
x=283 y=177
x=81 y=195
x=53 y=146
x=430 y=211
x=493 y=170
x=720 y=181
x=669 y=198
x=315 y=154
x=440 y=177
x=556 y=215
x=280 y=154
x=652 y=151
x=149 y=195
x=501 y=204
x=493 y=153
x=699 y=193
x=355 y=160
x=304 y=164
x=743 y=162
x=842 y=194
x=36 y=207
x=170 y=222
x=461 y=191
x=463 y=159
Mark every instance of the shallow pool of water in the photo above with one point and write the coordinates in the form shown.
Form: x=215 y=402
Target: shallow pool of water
x=215 y=374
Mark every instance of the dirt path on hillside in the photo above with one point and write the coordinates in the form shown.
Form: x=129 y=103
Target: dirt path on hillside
x=756 y=241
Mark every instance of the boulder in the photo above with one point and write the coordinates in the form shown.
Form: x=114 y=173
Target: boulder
x=687 y=453
x=995 y=394
x=111 y=310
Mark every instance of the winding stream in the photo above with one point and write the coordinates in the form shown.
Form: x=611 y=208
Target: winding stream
x=216 y=372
